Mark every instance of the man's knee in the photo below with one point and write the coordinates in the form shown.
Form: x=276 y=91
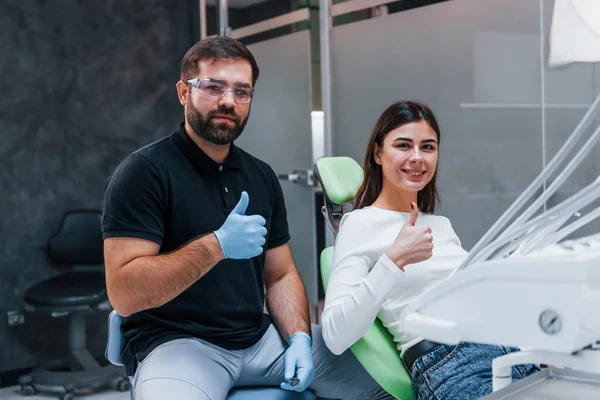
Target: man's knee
x=186 y=369
x=169 y=388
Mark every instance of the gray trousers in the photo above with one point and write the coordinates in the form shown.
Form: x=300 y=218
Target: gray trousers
x=193 y=369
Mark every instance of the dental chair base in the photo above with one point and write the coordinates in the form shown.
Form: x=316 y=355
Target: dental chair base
x=551 y=384
x=585 y=360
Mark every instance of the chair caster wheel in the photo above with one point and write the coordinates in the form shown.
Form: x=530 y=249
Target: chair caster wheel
x=28 y=390
x=67 y=396
x=123 y=385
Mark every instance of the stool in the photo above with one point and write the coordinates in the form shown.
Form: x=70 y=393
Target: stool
x=268 y=393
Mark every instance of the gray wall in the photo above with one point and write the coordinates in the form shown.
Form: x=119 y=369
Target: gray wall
x=278 y=132
x=478 y=65
x=83 y=83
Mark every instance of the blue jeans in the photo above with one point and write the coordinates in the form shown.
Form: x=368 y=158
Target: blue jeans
x=460 y=372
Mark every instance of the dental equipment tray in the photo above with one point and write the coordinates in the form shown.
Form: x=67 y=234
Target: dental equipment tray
x=551 y=384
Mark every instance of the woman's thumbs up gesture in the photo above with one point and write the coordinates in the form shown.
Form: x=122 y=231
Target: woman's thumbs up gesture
x=413 y=243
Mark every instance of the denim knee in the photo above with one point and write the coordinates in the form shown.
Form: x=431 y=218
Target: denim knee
x=459 y=372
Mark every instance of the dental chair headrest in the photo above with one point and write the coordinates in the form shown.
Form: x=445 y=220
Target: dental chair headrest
x=340 y=178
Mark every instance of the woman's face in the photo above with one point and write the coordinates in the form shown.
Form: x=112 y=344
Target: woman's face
x=409 y=156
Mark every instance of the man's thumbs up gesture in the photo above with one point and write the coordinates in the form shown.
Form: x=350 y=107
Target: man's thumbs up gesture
x=242 y=236
x=413 y=244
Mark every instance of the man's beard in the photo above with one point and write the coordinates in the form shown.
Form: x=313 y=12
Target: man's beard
x=219 y=133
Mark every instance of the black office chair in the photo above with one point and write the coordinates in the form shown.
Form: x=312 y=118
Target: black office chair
x=78 y=243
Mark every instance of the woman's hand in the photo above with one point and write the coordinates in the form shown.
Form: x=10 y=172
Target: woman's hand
x=413 y=244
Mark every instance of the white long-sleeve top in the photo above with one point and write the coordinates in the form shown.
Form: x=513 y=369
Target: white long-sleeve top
x=364 y=283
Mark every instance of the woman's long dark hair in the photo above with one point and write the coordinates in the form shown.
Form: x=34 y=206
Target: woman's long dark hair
x=396 y=115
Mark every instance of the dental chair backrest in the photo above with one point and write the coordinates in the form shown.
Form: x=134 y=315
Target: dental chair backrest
x=340 y=178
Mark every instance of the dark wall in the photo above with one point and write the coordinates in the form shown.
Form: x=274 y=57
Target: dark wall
x=82 y=84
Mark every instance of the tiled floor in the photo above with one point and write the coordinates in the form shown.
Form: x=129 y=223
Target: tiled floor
x=12 y=393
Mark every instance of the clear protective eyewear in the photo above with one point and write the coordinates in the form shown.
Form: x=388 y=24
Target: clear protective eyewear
x=215 y=89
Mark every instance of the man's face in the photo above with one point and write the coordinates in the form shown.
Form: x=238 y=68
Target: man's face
x=215 y=118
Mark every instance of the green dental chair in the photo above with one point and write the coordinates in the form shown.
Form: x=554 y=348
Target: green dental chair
x=340 y=178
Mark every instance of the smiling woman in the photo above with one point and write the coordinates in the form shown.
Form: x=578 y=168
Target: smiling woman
x=408 y=159
x=401 y=157
x=391 y=249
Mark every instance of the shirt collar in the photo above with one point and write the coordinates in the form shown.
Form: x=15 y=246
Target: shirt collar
x=199 y=157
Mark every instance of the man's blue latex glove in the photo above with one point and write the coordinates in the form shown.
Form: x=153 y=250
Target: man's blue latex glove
x=298 y=363
x=242 y=236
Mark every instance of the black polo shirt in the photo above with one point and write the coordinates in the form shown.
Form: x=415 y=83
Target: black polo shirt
x=171 y=192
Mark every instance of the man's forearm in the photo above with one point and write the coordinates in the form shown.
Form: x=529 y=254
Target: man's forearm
x=288 y=306
x=151 y=281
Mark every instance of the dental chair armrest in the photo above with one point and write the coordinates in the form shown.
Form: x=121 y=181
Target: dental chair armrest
x=436 y=329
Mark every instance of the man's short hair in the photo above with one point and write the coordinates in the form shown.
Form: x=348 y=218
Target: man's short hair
x=216 y=48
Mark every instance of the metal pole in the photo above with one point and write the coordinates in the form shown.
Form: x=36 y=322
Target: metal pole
x=202 y=19
x=325 y=41
x=223 y=19
x=325 y=50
